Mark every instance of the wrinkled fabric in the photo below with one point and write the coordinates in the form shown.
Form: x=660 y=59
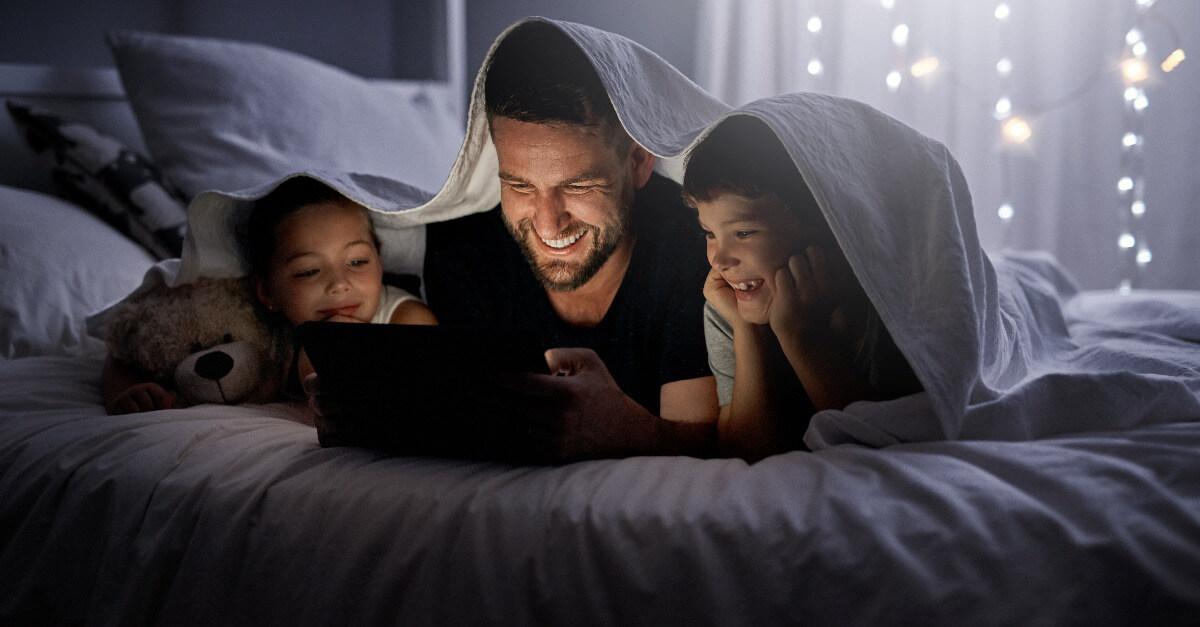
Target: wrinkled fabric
x=995 y=341
x=660 y=107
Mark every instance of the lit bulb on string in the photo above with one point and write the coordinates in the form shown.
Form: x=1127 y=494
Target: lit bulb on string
x=1003 y=107
x=815 y=67
x=814 y=24
x=1173 y=60
x=900 y=35
x=924 y=67
x=1134 y=70
x=1016 y=130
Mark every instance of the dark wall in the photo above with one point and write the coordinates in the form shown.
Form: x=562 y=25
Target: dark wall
x=376 y=38
x=665 y=26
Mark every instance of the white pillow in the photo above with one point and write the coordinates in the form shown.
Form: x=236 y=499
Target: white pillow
x=58 y=263
x=227 y=116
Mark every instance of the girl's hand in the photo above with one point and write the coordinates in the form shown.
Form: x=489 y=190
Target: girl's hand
x=805 y=294
x=142 y=397
x=720 y=295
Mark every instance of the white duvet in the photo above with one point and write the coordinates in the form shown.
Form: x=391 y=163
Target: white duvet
x=234 y=515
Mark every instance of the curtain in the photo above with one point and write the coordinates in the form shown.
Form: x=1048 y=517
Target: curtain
x=1072 y=187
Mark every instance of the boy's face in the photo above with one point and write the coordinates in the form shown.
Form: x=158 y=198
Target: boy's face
x=749 y=240
x=325 y=265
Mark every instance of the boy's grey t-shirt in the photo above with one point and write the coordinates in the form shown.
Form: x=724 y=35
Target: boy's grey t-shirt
x=878 y=359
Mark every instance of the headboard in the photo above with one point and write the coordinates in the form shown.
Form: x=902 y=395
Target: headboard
x=93 y=93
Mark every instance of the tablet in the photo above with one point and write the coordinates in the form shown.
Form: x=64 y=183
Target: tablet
x=393 y=355
x=421 y=390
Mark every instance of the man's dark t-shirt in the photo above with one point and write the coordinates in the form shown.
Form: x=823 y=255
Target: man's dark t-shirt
x=653 y=333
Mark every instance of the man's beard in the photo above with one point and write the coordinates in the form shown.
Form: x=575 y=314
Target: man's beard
x=566 y=276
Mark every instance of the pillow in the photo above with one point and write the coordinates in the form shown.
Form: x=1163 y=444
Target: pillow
x=58 y=263
x=101 y=173
x=223 y=115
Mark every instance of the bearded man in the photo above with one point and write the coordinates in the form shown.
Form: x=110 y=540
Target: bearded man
x=589 y=249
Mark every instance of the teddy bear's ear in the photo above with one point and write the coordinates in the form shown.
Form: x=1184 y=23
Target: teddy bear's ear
x=122 y=323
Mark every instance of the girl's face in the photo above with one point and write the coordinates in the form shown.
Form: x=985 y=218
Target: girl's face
x=750 y=239
x=325 y=265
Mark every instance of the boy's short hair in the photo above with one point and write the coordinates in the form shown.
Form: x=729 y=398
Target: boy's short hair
x=744 y=157
x=257 y=235
x=538 y=74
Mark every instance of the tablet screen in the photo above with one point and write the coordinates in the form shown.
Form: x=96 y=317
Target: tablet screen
x=390 y=353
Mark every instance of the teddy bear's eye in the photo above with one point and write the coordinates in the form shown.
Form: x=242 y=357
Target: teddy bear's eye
x=228 y=338
x=196 y=348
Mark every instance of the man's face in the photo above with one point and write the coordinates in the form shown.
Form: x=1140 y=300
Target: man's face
x=566 y=195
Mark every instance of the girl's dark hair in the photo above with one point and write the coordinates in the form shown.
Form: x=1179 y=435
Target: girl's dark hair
x=257 y=235
x=743 y=156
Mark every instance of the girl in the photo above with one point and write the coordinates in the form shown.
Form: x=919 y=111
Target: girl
x=314 y=256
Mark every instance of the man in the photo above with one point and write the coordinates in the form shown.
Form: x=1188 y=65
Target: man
x=589 y=249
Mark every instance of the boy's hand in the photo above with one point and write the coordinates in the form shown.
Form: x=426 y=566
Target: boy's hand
x=719 y=294
x=805 y=294
x=142 y=397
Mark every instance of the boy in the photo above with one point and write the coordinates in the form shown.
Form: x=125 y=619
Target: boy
x=789 y=329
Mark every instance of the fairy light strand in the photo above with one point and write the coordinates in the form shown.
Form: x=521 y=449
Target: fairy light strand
x=1016 y=127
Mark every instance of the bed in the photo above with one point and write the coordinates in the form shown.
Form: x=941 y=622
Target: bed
x=220 y=514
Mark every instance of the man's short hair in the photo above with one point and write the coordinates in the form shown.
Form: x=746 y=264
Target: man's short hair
x=744 y=157
x=538 y=74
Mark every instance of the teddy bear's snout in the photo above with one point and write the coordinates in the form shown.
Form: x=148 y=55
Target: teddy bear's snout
x=225 y=373
x=214 y=365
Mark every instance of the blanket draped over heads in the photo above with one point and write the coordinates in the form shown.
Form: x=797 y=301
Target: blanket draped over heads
x=660 y=108
x=995 y=341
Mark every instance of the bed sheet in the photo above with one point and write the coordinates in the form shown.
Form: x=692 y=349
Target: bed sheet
x=234 y=515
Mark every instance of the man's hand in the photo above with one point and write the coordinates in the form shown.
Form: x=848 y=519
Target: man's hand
x=577 y=413
x=142 y=397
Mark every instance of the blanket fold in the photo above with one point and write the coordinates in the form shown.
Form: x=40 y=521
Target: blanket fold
x=996 y=341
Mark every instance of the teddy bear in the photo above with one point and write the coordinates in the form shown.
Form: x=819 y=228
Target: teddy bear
x=209 y=341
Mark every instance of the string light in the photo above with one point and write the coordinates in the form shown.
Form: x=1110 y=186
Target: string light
x=1015 y=126
x=1135 y=72
x=924 y=67
x=1013 y=130
x=815 y=66
x=1173 y=60
x=899 y=34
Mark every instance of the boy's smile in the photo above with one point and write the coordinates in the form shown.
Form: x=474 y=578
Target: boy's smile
x=748 y=241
